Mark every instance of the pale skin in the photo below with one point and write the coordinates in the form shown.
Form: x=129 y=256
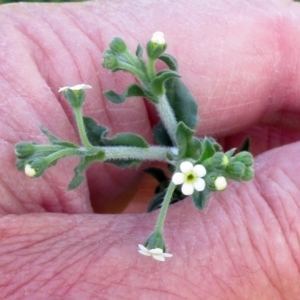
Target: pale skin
x=241 y=61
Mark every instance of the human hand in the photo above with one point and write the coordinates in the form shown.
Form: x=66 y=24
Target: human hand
x=240 y=62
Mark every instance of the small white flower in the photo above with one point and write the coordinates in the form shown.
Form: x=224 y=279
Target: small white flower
x=190 y=178
x=29 y=170
x=156 y=253
x=158 y=38
x=77 y=87
x=220 y=183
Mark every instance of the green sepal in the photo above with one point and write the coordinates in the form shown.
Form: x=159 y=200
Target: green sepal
x=200 y=198
x=236 y=170
x=154 y=50
x=155 y=240
x=244 y=157
x=85 y=161
x=139 y=51
x=169 y=60
x=188 y=145
x=133 y=90
x=142 y=64
x=161 y=135
x=248 y=174
x=158 y=83
x=20 y=164
x=56 y=141
x=182 y=102
x=126 y=139
x=24 y=150
x=94 y=132
x=75 y=97
x=110 y=60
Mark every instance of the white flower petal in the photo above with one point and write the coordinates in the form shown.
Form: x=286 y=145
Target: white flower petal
x=187 y=189
x=76 y=87
x=142 y=247
x=199 y=170
x=199 y=184
x=178 y=178
x=186 y=166
x=159 y=257
x=145 y=253
x=158 y=38
x=167 y=255
x=155 y=251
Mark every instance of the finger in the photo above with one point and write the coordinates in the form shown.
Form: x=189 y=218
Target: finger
x=218 y=78
x=245 y=243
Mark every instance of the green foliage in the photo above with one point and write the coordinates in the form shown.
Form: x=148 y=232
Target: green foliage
x=133 y=90
x=85 y=161
x=188 y=145
x=182 y=102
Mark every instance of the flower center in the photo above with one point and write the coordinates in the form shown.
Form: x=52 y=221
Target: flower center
x=190 y=177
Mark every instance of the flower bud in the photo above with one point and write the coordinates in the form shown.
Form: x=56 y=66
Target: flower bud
x=75 y=94
x=236 y=170
x=24 y=150
x=158 y=38
x=249 y=174
x=244 y=157
x=29 y=170
x=109 y=60
x=219 y=159
x=157 y=45
x=118 y=45
x=220 y=183
x=36 y=168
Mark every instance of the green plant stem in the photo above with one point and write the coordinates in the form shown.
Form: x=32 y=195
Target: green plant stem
x=167 y=117
x=63 y=153
x=151 y=67
x=163 y=211
x=134 y=71
x=81 y=128
x=157 y=153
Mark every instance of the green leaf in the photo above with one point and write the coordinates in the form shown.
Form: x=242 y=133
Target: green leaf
x=94 y=132
x=56 y=141
x=169 y=60
x=189 y=146
x=156 y=201
x=126 y=139
x=209 y=148
x=81 y=167
x=158 y=83
x=182 y=102
x=133 y=90
x=200 y=198
x=161 y=135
